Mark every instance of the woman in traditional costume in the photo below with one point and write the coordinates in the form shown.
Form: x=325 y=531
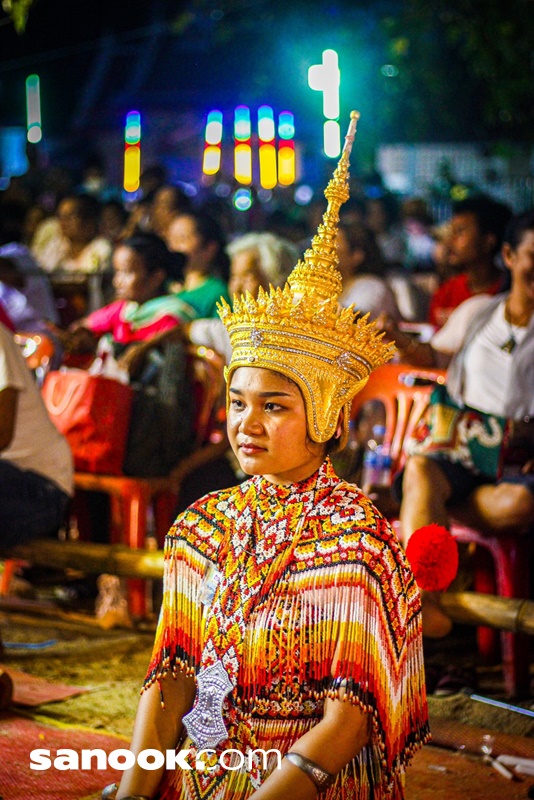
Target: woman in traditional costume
x=288 y=658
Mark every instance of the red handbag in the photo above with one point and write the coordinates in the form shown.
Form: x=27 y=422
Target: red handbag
x=93 y=413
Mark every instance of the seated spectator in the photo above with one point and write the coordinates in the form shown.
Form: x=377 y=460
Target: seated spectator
x=382 y=218
x=26 y=275
x=416 y=222
x=167 y=202
x=362 y=269
x=36 y=469
x=112 y=221
x=200 y=238
x=73 y=243
x=20 y=270
x=15 y=301
x=442 y=266
x=475 y=237
x=492 y=373
x=143 y=310
x=257 y=259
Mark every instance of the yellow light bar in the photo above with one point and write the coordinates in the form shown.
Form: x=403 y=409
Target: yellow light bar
x=286 y=166
x=212 y=160
x=132 y=168
x=243 y=163
x=267 y=166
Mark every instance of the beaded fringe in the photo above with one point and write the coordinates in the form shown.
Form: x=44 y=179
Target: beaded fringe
x=294 y=638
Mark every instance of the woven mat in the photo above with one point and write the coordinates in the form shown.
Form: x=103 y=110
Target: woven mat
x=19 y=735
x=31 y=691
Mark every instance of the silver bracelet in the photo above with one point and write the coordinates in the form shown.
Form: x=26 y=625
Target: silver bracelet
x=108 y=793
x=320 y=777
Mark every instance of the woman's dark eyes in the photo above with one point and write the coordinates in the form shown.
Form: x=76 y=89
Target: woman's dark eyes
x=239 y=405
x=273 y=407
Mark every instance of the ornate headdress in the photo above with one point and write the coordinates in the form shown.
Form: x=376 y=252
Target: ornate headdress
x=302 y=332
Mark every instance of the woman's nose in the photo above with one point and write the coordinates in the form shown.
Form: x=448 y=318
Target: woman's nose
x=250 y=421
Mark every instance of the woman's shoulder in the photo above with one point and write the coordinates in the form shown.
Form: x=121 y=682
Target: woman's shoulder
x=347 y=515
x=210 y=512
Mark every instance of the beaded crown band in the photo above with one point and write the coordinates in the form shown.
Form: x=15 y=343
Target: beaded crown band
x=302 y=332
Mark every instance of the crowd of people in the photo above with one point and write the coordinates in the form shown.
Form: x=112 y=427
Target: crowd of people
x=458 y=294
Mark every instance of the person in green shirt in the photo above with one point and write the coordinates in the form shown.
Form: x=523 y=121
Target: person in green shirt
x=199 y=237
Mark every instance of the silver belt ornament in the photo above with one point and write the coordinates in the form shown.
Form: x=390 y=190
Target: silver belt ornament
x=205 y=724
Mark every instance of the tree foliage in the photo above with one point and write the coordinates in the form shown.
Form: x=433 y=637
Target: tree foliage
x=465 y=67
x=18 y=11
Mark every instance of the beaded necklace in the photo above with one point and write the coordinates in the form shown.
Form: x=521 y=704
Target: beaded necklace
x=250 y=568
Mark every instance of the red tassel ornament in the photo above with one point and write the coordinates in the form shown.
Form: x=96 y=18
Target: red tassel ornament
x=433 y=554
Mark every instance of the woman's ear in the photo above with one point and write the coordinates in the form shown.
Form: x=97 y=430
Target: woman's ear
x=339 y=426
x=507 y=254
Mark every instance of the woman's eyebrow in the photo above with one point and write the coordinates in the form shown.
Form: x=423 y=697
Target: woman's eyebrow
x=263 y=394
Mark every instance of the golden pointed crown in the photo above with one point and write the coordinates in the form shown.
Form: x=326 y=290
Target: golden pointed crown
x=302 y=332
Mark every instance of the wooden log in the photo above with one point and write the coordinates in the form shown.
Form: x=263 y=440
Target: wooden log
x=476 y=608
x=471 y=608
x=91 y=557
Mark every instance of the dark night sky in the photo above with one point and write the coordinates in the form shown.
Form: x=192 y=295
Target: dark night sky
x=180 y=58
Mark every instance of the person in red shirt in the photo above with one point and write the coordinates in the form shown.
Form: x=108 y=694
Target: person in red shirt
x=475 y=237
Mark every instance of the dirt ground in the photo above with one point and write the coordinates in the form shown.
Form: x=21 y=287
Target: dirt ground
x=112 y=665
x=69 y=648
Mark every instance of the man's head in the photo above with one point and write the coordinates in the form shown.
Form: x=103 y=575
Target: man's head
x=476 y=231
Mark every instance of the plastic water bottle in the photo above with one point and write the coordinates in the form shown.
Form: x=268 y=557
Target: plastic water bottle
x=376 y=461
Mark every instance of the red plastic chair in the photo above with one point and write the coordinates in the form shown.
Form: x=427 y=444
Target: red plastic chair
x=501 y=563
x=131 y=498
x=38 y=350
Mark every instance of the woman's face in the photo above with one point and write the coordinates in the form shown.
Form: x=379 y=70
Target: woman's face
x=246 y=274
x=267 y=427
x=131 y=279
x=520 y=262
x=183 y=237
x=73 y=227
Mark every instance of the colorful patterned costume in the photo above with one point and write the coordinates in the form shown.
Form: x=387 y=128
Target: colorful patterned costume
x=315 y=593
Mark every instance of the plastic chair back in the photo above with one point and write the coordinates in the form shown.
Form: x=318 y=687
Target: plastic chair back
x=38 y=350
x=404 y=392
x=208 y=381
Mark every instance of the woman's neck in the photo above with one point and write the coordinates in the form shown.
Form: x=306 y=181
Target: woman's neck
x=194 y=279
x=518 y=309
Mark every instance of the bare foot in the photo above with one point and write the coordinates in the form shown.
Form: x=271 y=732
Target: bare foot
x=436 y=623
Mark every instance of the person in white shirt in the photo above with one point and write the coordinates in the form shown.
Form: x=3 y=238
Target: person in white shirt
x=491 y=372
x=36 y=465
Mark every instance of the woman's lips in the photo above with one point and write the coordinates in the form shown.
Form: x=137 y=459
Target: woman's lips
x=251 y=449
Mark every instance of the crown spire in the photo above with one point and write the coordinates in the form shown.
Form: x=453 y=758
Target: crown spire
x=302 y=332
x=319 y=270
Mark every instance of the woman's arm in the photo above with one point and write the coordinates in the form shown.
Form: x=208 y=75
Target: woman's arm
x=157 y=728
x=331 y=744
